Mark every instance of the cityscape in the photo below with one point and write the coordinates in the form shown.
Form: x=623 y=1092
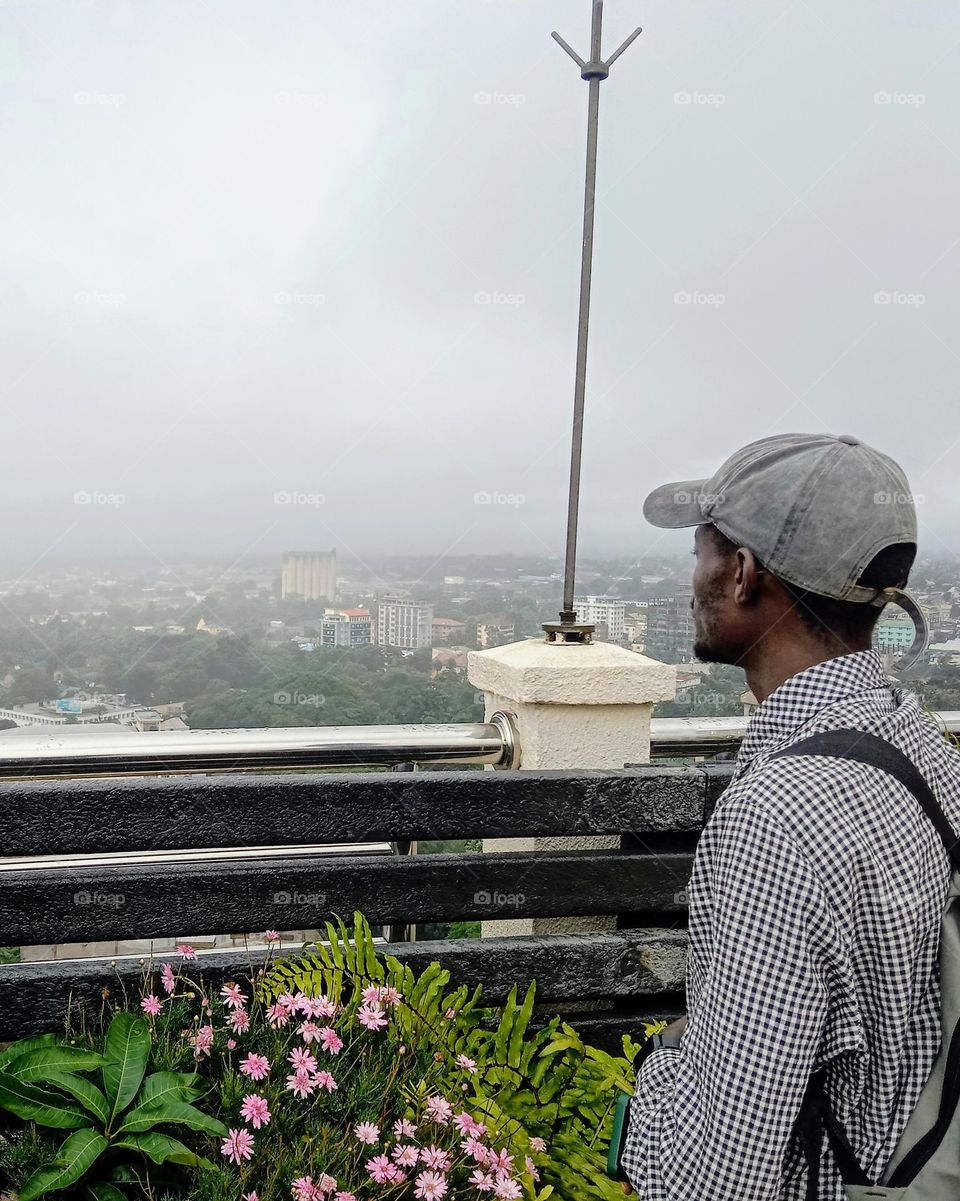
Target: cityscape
x=307 y=638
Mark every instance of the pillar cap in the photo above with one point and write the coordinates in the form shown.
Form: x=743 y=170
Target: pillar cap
x=595 y=673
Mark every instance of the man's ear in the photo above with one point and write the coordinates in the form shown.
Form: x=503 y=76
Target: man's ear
x=746 y=584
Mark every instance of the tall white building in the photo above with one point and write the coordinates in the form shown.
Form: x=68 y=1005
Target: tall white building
x=594 y=610
x=309 y=575
x=404 y=623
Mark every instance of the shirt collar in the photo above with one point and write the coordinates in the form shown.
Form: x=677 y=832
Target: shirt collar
x=804 y=695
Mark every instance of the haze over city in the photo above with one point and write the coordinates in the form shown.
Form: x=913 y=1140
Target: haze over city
x=331 y=253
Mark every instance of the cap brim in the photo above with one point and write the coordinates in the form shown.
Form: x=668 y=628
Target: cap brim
x=673 y=506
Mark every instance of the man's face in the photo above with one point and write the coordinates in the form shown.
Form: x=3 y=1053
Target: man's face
x=717 y=636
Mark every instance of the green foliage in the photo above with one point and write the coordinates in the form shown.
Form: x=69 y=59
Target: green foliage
x=114 y=1117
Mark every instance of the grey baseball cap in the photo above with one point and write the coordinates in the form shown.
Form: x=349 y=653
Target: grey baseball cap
x=814 y=508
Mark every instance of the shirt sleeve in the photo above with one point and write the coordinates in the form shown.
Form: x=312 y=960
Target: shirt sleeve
x=713 y=1118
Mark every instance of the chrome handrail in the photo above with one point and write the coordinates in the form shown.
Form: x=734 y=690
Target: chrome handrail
x=94 y=751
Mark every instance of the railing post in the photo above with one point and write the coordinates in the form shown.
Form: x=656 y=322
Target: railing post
x=575 y=705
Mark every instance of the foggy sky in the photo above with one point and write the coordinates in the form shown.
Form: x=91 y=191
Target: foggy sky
x=242 y=246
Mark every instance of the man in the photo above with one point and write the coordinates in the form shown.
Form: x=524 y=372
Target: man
x=818 y=883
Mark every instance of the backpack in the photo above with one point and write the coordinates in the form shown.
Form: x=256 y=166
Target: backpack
x=925 y=1165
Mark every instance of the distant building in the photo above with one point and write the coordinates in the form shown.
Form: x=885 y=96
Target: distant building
x=894 y=632
x=446 y=629
x=406 y=624
x=495 y=630
x=601 y=611
x=309 y=575
x=670 y=631
x=445 y=657
x=346 y=627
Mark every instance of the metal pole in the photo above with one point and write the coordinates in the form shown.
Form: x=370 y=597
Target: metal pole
x=593 y=72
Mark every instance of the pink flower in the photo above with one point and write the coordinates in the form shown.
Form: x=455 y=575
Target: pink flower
x=465 y=1123
x=301 y=1003
x=251 y=1197
x=367 y=1132
x=439 y=1110
x=391 y=996
x=278 y=1016
x=240 y=1021
x=308 y=1031
x=255 y=1111
x=325 y=1080
x=450 y=1014
x=435 y=1158
x=186 y=951
x=302 y=1060
x=238 y=1145
x=431 y=1186
x=151 y=1005
x=482 y=1181
x=345 y=1197
x=300 y=1084
x=501 y=1161
x=288 y=1001
x=326 y=1184
x=381 y=1169
x=169 y=983
x=304 y=1189
x=317 y=1007
x=538 y=1144
x=372 y=994
x=231 y=1044
x=404 y=1129
x=468 y=1064
x=372 y=1016
x=406 y=1155
x=531 y=1167
x=232 y=995
x=202 y=1041
x=506 y=1188
x=476 y=1150
x=272 y=936
x=257 y=1067
x=332 y=1041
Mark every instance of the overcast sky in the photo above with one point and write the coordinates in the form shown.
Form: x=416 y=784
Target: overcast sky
x=245 y=248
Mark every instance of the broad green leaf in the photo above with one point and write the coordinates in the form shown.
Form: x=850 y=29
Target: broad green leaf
x=36 y=1065
x=169 y=1086
x=103 y=1192
x=520 y=1027
x=15 y=1050
x=162 y=1113
x=89 y=1096
x=76 y=1155
x=38 y=1105
x=127 y=1048
x=161 y=1148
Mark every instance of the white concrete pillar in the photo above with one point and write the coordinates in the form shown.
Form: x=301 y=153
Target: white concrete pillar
x=575 y=706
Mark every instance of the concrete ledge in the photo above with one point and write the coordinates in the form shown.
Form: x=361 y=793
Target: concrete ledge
x=536 y=672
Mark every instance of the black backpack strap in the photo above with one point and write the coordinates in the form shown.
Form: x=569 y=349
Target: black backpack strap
x=862 y=747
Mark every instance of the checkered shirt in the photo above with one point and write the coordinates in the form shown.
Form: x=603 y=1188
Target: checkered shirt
x=815 y=902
